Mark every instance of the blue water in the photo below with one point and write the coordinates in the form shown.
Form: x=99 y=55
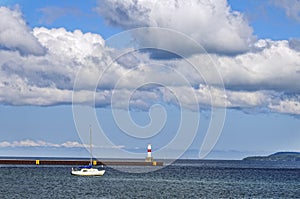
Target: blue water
x=183 y=179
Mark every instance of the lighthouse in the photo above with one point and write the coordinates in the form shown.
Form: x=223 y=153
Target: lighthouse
x=149 y=157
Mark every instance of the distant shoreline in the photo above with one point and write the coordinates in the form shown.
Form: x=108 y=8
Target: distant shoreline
x=279 y=156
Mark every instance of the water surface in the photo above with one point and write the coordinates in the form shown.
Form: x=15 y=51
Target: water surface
x=183 y=179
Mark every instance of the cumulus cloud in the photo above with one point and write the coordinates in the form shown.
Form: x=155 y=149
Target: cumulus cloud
x=15 y=35
x=211 y=23
x=49 y=79
x=275 y=67
x=265 y=78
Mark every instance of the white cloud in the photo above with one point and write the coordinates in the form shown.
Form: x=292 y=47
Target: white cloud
x=15 y=35
x=5 y=144
x=207 y=96
x=212 y=23
x=75 y=45
x=27 y=143
x=41 y=143
x=49 y=79
x=259 y=78
x=244 y=99
x=70 y=144
x=289 y=106
x=275 y=67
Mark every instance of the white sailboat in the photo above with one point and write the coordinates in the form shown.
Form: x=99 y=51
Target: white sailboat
x=88 y=170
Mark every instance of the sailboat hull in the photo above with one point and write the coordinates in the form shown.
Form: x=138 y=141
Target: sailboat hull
x=88 y=172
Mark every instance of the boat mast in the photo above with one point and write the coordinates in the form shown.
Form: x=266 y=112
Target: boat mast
x=91 y=153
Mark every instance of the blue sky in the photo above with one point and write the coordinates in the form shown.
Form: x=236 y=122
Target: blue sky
x=250 y=71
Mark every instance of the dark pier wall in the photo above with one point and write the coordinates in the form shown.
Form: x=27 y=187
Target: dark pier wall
x=78 y=162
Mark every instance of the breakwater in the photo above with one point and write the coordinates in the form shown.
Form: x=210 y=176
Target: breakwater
x=78 y=162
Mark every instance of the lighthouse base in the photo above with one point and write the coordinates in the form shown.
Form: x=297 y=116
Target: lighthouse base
x=149 y=159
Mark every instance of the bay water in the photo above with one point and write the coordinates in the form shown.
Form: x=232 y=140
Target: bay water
x=182 y=179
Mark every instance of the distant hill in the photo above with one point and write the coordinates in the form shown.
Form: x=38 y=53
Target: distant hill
x=279 y=156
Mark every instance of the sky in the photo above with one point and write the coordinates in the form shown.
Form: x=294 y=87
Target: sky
x=195 y=78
